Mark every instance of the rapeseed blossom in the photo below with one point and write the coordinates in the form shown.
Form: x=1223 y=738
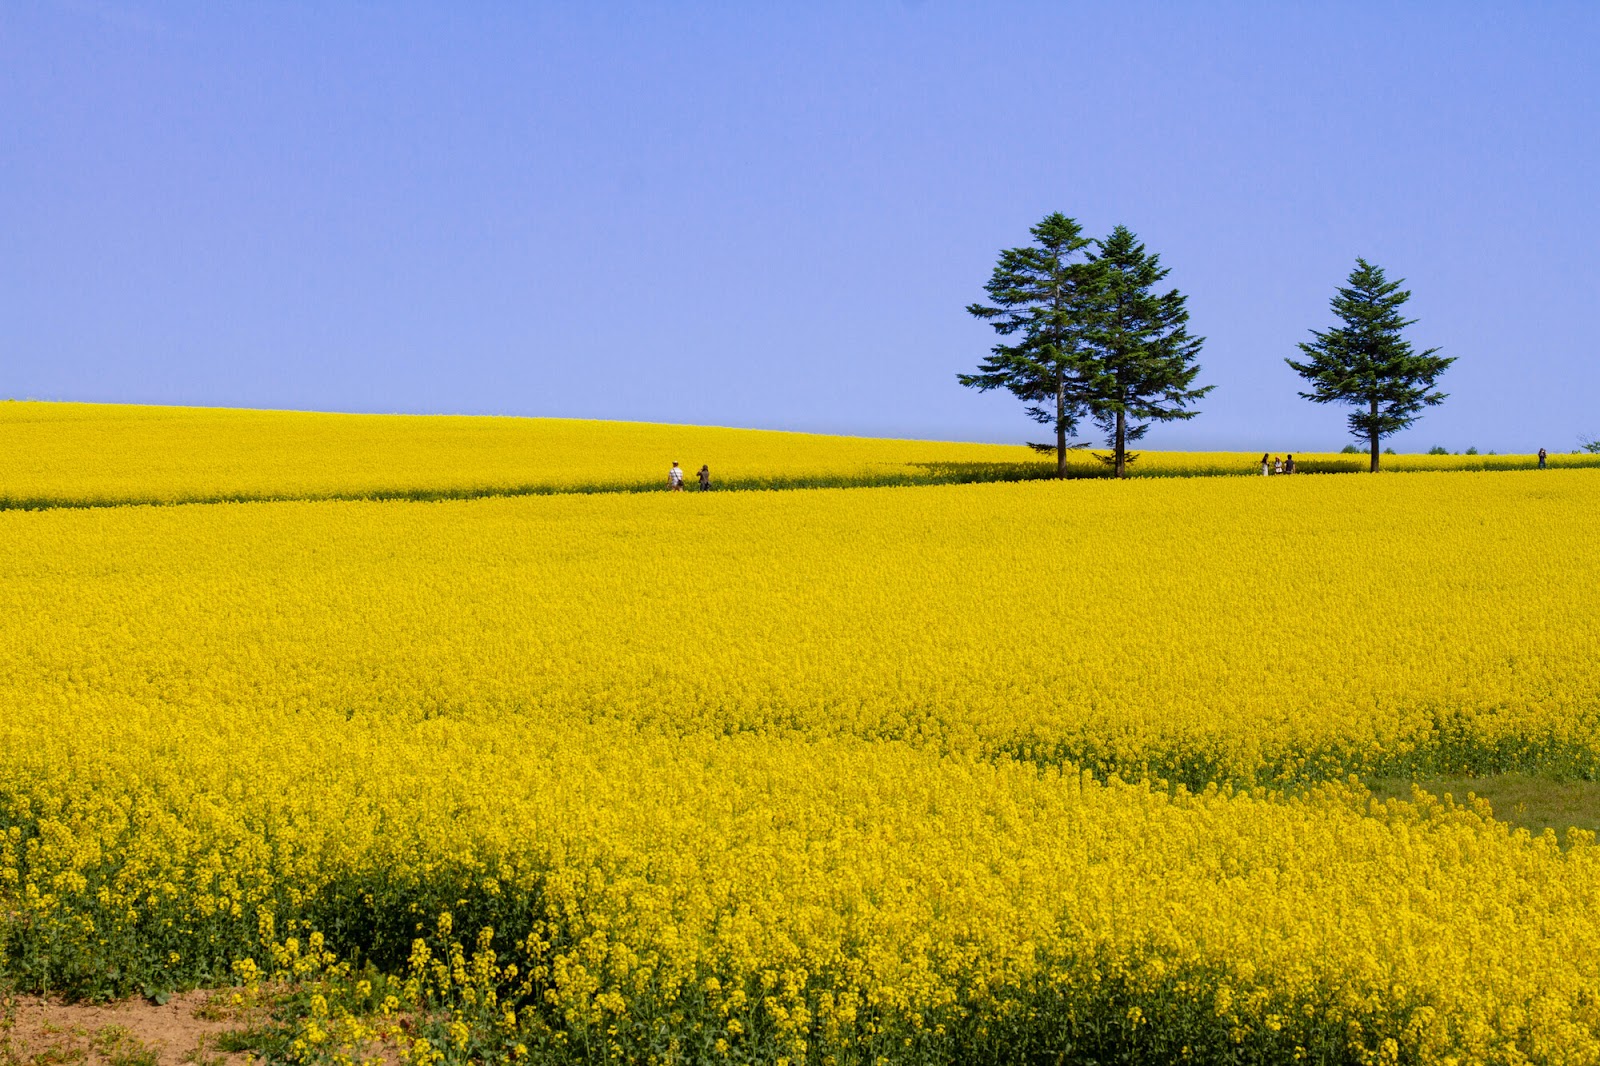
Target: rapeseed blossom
x=1239 y=631
x=941 y=774
x=65 y=454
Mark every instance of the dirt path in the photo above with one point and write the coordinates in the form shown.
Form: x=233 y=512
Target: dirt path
x=185 y=1031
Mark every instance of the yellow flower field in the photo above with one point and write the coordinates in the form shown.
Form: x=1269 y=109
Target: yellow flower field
x=1249 y=630
x=78 y=454
x=821 y=899
x=985 y=773
x=89 y=454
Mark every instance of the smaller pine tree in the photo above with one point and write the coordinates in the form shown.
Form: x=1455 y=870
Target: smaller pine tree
x=1366 y=362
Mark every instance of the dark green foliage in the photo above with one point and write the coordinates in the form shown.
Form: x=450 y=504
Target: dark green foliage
x=1590 y=444
x=1043 y=300
x=268 y=1042
x=926 y=473
x=1366 y=362
x=1144 y=365
x=1438 y=449
x=1349 y=449
x=1092 y=337
x=1453 y=747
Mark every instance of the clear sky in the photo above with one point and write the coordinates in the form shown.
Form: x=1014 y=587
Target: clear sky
x=774 y=215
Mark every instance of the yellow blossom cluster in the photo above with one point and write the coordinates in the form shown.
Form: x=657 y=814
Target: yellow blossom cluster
x=1237 y=630
x=821 y=899
x=88 y=454
x=944 y=774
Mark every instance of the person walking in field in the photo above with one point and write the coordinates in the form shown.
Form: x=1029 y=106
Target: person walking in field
x=1266 y=465
x=705 y=477
x=1541 y=458
x=675 y=477
x=1288 y=465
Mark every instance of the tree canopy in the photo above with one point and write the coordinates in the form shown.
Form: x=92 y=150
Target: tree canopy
x=1144 y=367
x=1043 y=303
x=1367 y=362
x=1086 y=335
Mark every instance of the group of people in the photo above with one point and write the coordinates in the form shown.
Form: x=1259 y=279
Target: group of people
x=1270 y=464
x=675 y=477
x=1276 y=465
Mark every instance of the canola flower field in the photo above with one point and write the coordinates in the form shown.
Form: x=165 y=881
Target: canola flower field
x=968 y=773
x=76 y=455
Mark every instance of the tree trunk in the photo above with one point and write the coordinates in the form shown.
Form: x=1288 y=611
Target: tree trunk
x=1122 y=444
x=1061 y=429
x=1374 y=437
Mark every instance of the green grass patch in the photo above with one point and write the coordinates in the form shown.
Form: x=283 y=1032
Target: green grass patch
x=119 y=1047
x=1527 y=801
x=270 y=1041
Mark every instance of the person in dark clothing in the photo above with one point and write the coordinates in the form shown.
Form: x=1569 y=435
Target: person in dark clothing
x=705 y=477
x=1541 y=458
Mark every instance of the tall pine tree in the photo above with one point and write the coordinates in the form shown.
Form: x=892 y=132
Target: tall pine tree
x=1143 y=365
x=1367 y=363
x=1043 y=296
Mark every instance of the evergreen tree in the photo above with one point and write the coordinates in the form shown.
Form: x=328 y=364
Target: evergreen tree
x=1143 y=365
x=1367 y=363
x=1042 y=296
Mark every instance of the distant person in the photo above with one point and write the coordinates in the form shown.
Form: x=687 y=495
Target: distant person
x=675 y=477
x=1277 y=465
x=705 y=477
x=1266 y=464
x=1541 y=458
x=1288 y=465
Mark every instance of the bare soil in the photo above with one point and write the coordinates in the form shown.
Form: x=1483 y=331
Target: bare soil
x=184 y=1031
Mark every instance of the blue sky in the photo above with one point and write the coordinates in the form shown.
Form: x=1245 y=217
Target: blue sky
x=774 y=215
